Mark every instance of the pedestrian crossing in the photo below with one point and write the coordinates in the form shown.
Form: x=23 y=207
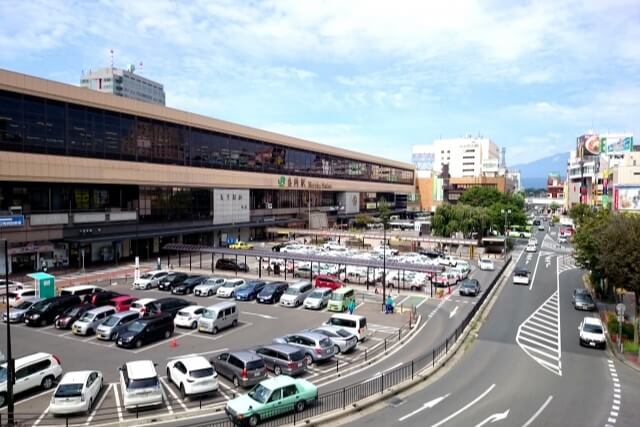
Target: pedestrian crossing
x=551 y=245
x=539 y=335
x=566 y=263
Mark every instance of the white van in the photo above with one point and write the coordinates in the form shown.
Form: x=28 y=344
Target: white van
x=140 y=385
x=80 y=290
x=218 y=316
x=353 y=323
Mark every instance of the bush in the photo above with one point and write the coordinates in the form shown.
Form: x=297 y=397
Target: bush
x=630 y=347
x=612 y=326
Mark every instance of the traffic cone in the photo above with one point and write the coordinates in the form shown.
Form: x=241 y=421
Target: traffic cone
x=174 y=343
x=449 y=290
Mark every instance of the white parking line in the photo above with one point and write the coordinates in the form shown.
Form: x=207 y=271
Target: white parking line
x=173 y=393
x=166 y=401
x=28 y=399
x=98 y=405
x=115 y=392
x=41 y=416
x=183 y=356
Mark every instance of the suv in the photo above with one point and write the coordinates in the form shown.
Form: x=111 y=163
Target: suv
x=36 y=370
x=169 y=306
x=244 y=368
x=231 y=265
x=145 y=330
x=591 y=332
x=140 y=384
x=326 y=281
x=295 y=294
x=45 y=311
x=171 y=280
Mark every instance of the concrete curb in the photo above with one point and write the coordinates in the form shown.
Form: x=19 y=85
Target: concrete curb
x=418 y=378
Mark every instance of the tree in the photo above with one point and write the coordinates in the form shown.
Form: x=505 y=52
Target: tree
x=587 y=244
x=579 y=213
x=481 y=196
x=554 y=207
x=362 y=220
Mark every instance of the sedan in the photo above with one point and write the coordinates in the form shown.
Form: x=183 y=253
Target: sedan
x=250 y=290
x=70 y=315
x=343 y=341
x=188 y=285
x=272 y=292
x=241 y=245
x=584 y=302
x=469 y=287
x=76 y=392
x=192 y=375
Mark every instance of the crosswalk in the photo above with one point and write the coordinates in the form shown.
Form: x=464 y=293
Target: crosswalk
x=566 y=263
x=539 y=335
x=551 y=245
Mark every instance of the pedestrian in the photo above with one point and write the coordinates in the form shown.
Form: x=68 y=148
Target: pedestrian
x=389 y=305
x=351 y=306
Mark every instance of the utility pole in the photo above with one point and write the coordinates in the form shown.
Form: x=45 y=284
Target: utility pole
x=506 y=213
x=10 y=362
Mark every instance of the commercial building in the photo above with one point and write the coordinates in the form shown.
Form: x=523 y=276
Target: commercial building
x=626 y=183
x=466 y=157
x=555 y=187
x=84 y=174
x=124 y=83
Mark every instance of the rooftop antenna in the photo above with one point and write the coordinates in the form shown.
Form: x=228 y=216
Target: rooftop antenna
x=141 y=69
x=111 y=57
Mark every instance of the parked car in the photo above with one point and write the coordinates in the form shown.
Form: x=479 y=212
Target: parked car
x=592 y=333
x=577 y=292
x=448 y=260
x=353 y=323
x=231 y=265
x=316 y=347
x=241 y=245
x=33 y=371
x=143 y=306
x=45 y=311
x=123 y=302
x=66 y=319
x=91 y=319
x=209 y=287
x=340 y=299
x=445 y=279
x=282 y=359
x=250 y=290
x=188 y=285
x=296 y=293
x=278 y=246
x=110 y=328
x=271 y=397
x=188 y=317
x=218 y=316
x=15 y=297
x=150 y=279
x=326 y=281
x=459 y=273
x=228 y=290
x=343 y=341
x=16 y=314
x=140 y=385
x=77 y=391
x=101 y=298
x=243 y=368
x=168 y=305
x=485 y=264
x=80 y=290
x=170 y=280
x=469 y=287
x=318 y=299
x=521 y=276
x=192 y=375
x=146 y=330
x=584 y=301
x=272 y=292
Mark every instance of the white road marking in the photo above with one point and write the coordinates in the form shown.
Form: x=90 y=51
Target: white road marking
x=402 y=302
x=184 y=356
x=535 y=270
x=166 y=401
x=28 y=399
x=427 y=405
x=41 y=416
x=465 y=407
x=453 y=312
x=495 y=417
x=423 y=301
x=115 y=392
x=173 y=393
x=538 y=412
x=264 y=316
x=98 y=405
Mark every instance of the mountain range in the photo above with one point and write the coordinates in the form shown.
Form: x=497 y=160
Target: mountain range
x=534 y=174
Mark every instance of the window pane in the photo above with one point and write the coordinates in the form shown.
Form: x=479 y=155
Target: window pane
x=11 y=132
x=34 y=125
x=56 y=128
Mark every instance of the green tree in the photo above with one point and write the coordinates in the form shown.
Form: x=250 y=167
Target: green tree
x=481 y=196
x=554 y=207
x=362 y=220
x=579 y=213
x=587 y=243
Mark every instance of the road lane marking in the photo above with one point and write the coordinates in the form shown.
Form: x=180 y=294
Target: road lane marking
x=173 y=393
x=184 y=356
x=427 y=405
x=264 y=316
x=423 y=301
x=4 y=408
x=535 y=270
x=115 y=392
x=453 y=312
x=41 y=416
x=495 y=417
x=465 y=407
x=98 y=405
x=538 y=412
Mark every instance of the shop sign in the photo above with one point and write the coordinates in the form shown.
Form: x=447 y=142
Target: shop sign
x=11 y=221
x=31 y=248
x=301 y=183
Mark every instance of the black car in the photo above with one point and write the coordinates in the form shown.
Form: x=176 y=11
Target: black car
x=231 y=265
x=101 y=298
x=584 y=301
x=469 y=287
x=431 y=254
x=71 y=314
x=44 y=312
x=249 y=290
x=187 y=285
x=171 y=280
x=145 y=330
x=278 y=246
x=167 y=306
x=272 y=292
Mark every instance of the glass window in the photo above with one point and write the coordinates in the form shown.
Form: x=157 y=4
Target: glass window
x=56 y=128
x=77 y=131
x=96 y=132
x=11 y=121
x=112 y=135
x=34 y=125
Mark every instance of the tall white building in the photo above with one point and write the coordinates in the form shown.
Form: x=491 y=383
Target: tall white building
x=124 y=83
x=466 y=157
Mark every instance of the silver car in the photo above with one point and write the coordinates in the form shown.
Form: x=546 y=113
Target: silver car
x=318 y=299
x=316 y=347
x=16 y=314
x=343 y=341
x=209 y=287
x=107 y=331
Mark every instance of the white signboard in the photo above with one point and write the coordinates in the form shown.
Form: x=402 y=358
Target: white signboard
x=352 y=202
x=230 y=206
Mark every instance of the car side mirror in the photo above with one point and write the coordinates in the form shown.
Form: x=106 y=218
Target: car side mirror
x=155 y=364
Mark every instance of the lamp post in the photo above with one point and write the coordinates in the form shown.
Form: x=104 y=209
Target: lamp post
x=10 y=364
x=506 y=214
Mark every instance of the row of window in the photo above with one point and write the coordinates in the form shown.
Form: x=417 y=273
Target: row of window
x=36 y=125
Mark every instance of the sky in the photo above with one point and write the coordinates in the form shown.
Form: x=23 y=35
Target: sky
x=371 y=76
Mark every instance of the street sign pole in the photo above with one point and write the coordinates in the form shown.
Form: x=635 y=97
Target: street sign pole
x=620 y=309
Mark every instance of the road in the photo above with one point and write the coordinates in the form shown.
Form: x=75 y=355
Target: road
x=526 y=367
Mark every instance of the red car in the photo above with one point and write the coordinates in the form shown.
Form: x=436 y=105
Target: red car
x=326 y=281
x=123 y=302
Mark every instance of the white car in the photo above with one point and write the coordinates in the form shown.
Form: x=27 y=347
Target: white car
x=76 y=392
x=592 y=333
x=531 y=248
x=33 y=371
x=188 y=317
x=150 y=279
x=18 y=295
x=209 y=287
x=486 y=264
x=562 y=239
x=140 y=385
x=192 y=375
x=448 y=260
x=521 y=277
x=142 y=305
x=228 y=290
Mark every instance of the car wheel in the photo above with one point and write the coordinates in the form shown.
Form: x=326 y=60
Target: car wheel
x=254 y=420
x=43 y=322
x=3 y=399
x=209 y=293
x=183 y=393
x=308 y=359
x=194 y=325
x=300 y=404
x=167 y=334
x=236 y=382
x=138 y=344
x=234 y=323
x=215 y=330
x=47 y=382
x=337 y=349
x=90 y=406
x=169 y=375
x=277 y=370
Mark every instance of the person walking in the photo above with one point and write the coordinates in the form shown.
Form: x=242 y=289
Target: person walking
x=351 y=306
x=389 y=305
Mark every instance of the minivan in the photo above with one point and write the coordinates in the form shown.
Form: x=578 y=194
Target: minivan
x=35 y=370
x=109 y=328
x=353 y=323
x=80 y=290
x=244 y=368
x=45 y=311
x=282 y=359
x=90 y=320
x=145 y=330
x=218 y=316
x=340 y=299
x=294 y=296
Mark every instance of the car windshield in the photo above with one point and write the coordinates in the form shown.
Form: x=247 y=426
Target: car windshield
x=592 y=329
x=209 y=314
x=143 y=383
x=72 y=311
x=146 y=276
x=269 y=288
x=468 y=284
x=24 y=305
x=343 y=333
x=260 y=393
x=244 y=288
x=230 y=285
x=41 y=306
x=292 y=291
x=69 y=390
x=111 y=321
x=584 y=298
x=86 y=317
x=316 y=294
x=337 y=297
x=522 y=273
x=201 y=373
x=136 y=326
x=3 y=373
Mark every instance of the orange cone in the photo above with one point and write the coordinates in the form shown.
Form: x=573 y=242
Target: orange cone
x=174 y=343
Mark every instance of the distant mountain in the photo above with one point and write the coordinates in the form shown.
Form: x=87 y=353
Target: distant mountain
x=534 y=174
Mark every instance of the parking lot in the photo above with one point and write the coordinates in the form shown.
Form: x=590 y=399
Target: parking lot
x=258 y=324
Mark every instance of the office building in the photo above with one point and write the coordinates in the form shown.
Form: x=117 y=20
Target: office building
x=466 y=157
x=125 y=83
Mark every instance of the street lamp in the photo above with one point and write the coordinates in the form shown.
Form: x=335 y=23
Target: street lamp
x=10 y=362
x=506 y=214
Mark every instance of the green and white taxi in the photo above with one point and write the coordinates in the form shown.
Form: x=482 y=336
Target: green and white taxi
x=270 y=398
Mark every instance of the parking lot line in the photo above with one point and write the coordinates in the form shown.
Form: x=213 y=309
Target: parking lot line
x=98 y=405
x=166 y=401
x=183 y=356
x=221 y=334
x=41 y=416
x=115 y=392
x=173 y=393
x=28 y=399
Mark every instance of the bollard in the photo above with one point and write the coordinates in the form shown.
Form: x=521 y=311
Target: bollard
x=136 y=411
x=433 y=357
x=412 y=369
x=385 y=345
x=66 y=420
x=337 y=361
x=411 y=376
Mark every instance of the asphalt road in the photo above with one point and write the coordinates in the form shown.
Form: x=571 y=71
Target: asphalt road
x=526 y=367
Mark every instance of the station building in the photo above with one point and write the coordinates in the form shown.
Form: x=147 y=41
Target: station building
x=88 y=176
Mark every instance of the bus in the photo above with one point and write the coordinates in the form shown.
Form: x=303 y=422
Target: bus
x=522 y=231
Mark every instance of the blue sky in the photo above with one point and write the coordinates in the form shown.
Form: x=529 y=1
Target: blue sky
x=372 y=76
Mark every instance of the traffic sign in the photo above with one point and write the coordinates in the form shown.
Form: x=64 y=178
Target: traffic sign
x=620 y=308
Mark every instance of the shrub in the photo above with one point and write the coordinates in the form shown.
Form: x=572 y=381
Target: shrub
x=627 y=328
x=630 y=347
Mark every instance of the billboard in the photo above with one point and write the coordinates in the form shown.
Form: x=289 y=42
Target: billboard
x=588 y=144
x=616 y=144
x=626 y=198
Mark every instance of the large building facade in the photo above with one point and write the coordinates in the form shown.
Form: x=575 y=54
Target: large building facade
x=125 y=83
x=87 y=173
x=466 y=157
